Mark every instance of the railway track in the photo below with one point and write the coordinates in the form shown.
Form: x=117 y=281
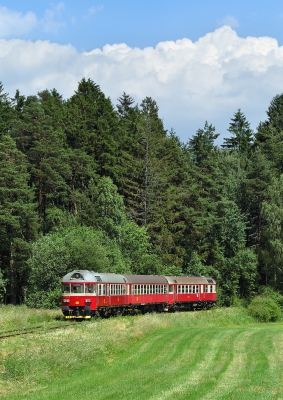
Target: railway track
x=29 y=330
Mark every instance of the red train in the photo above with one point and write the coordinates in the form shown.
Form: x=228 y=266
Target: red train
x=87 y=294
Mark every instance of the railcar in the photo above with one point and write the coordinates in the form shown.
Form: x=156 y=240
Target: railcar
x=87 y=294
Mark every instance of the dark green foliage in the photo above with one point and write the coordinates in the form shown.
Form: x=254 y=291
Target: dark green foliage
x=46 y=153
x=7 y=114
x=18 y=220
x=202 y=144
x=149 y=203
x=91 y=126
x=264 y=309
x=242 y=135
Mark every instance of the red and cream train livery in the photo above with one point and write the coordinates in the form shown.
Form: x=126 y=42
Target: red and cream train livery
x=87 y=293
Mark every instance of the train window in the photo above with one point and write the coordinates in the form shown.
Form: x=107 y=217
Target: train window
x=77 y=288
x=77 y=276
x=66 y=288
x=171 y=289
x=101 y=290
x=211 y=289
x=89 y=288
x=197 y=288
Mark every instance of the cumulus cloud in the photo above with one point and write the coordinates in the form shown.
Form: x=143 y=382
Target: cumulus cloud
x=13 y=23
x=191 y=81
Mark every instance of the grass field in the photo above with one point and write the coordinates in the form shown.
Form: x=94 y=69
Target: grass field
x=218 y=354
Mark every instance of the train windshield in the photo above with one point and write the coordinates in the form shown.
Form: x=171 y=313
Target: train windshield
x=77 y=288
x=89 y=288
x=66 y=288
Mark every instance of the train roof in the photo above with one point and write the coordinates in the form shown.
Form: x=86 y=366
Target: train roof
x=189 y=280
x=146 y=279
x=91 y=276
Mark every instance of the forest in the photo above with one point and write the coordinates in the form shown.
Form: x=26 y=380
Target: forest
x=86 y=184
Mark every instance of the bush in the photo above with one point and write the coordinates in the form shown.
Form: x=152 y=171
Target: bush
x=269 y=292
x=264 y=309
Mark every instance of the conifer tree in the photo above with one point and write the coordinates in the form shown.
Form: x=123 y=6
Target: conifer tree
x=18 y=219
x=91 y=126
x=242 y=135
x=45 y=150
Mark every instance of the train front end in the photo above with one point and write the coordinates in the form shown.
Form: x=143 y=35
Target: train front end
x=78 y=295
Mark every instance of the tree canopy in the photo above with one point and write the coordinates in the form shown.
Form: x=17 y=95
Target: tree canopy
x=86 y=184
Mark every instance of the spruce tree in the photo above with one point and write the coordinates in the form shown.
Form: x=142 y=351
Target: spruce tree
x=242 y=135
x=18 y=219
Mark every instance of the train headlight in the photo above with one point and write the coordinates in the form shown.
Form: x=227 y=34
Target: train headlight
x=66 y=300
x=87 y=301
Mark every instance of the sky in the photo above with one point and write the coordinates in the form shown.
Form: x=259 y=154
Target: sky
x=199 y=60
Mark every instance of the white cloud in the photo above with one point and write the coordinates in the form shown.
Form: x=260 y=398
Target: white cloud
x=230 y=21
x=93 y=10
x=13 y=23
x=191 y=82
x=52 y=20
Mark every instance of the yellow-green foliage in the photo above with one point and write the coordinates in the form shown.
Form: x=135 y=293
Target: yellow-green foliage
x=264 y=309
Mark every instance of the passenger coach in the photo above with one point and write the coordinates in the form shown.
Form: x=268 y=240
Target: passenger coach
x=87 y=294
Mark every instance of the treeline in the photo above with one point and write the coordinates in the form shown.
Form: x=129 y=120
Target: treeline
x=86 y=184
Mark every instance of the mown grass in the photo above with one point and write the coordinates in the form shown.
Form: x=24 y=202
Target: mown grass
x=217 y=354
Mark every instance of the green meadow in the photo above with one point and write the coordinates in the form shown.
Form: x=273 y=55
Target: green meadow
x=216 y=354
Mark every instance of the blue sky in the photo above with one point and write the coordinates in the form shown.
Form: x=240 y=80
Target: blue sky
x=200 y=60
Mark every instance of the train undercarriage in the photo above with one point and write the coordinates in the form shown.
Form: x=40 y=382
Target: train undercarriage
x=80 y=312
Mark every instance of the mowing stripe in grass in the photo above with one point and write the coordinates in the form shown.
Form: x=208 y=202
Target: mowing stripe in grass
x=215 y=355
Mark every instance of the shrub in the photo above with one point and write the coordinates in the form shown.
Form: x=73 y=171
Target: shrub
x=269 y=292
x=264 y=309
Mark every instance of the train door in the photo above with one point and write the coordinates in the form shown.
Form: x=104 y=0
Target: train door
x=102 y=295
x=171 y=296
x=202 y=293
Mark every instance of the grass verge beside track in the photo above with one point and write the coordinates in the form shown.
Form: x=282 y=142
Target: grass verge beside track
x=220 y=354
